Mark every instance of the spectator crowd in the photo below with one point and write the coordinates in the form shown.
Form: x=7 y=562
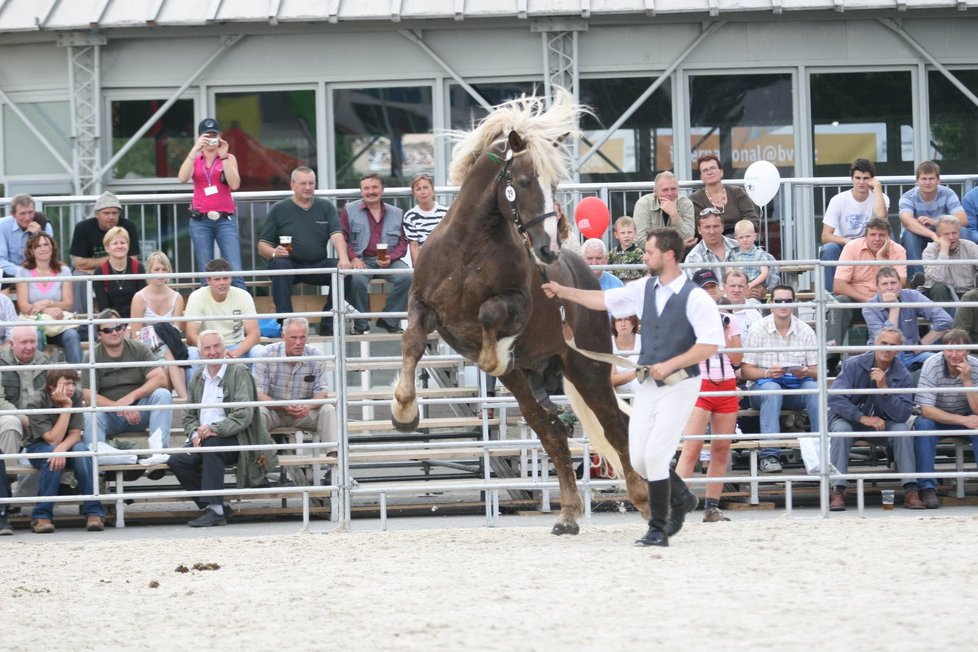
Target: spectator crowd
x=933 y=261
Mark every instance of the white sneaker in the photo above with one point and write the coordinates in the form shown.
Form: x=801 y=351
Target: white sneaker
x=770 y=465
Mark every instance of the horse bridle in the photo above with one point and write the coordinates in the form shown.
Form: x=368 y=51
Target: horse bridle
x=510 y=193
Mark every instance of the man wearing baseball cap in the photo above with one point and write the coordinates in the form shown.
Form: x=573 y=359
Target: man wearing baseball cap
x=87 y=248
x=214 y=173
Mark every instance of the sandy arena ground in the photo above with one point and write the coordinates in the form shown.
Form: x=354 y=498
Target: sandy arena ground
x=893 y=583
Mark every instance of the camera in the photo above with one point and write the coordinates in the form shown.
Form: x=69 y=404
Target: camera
x=215 y=141
x=725 y=319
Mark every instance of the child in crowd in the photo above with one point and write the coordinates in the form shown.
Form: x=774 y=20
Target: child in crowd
x=627 y=252
x=748 y=252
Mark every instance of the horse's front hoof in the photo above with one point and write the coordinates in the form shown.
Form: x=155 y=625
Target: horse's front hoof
x=565 y=528
x=407 y=426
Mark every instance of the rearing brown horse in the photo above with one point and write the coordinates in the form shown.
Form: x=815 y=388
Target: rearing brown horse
x=477 y=282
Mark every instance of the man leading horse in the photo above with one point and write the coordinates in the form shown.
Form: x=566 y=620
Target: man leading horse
x=480 y=286
x=681 y=327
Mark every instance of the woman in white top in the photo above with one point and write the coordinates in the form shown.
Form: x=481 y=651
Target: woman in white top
x=159 y=300
x=624 y=338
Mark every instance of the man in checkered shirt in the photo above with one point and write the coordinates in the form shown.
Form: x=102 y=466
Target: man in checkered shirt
x=296 y=381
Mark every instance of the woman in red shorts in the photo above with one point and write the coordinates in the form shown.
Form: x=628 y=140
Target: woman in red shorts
x=719 y=412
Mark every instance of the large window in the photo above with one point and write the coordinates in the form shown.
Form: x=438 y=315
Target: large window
x=742 y=119
x=466 y=111
x=158 y=152
x=270 y=133
x=642 y=145
x=387 y=131
x=953 y=122
x=862 y=115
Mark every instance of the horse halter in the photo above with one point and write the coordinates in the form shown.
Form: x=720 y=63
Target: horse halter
x=510 y=192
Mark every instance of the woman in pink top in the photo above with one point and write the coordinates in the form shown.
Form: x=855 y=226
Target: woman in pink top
x=215 y=174
x=719 y=412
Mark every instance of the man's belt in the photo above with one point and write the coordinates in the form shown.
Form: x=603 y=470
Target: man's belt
x=210 y=215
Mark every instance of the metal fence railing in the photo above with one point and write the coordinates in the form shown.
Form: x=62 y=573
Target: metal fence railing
x=345 y=486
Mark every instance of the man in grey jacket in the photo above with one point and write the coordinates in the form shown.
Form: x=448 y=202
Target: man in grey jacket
x=206 y=427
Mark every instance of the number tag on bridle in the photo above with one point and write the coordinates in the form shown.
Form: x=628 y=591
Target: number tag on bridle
x=510 y=194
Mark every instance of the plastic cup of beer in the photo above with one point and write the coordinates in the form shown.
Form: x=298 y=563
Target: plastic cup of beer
x=382 y=253
x=888 y=497
x=286 y=242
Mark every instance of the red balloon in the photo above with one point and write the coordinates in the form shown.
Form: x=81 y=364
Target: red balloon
x=592 y=217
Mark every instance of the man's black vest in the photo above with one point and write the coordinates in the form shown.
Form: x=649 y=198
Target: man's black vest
x=670 y=334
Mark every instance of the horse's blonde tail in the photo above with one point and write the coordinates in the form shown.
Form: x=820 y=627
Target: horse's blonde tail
x=592 y=427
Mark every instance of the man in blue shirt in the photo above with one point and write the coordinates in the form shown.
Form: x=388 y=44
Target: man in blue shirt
x=919 y=209
x=16 y=229
x=905 y=319
x=873 y=414
x=595 y=253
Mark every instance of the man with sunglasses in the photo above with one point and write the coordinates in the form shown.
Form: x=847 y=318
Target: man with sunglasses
x=770 y=370
x=664 y=207
x=123 y=387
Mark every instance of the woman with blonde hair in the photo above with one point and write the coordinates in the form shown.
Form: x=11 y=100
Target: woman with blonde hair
x=159 y=300
x=422 y=218
x=117 y=294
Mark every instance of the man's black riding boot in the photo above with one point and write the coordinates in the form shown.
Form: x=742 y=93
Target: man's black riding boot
x=659 y=493
x=683 y=502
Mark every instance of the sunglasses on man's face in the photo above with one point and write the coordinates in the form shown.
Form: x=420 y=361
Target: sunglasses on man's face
x=111 y=329
x=782 y=300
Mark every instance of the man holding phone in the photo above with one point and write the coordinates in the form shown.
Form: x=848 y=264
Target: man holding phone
x=770 y=371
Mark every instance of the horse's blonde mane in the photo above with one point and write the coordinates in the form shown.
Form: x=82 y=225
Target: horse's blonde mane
x=546 y=131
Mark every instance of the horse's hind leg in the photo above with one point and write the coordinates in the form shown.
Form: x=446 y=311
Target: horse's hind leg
x=597 y=406
x=554 y=438
x=404 y=407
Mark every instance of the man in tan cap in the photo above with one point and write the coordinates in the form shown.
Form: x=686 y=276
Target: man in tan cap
x=87 y=250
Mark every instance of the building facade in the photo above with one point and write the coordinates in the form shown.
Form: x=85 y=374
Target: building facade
x=106 y=94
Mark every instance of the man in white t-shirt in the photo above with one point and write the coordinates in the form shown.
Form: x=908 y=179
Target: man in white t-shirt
x=228 y=310
x=848 y=212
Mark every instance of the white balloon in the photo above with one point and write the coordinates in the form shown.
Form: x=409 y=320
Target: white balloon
x=762 y=182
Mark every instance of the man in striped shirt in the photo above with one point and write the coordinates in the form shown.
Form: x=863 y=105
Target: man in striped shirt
x=944 y=410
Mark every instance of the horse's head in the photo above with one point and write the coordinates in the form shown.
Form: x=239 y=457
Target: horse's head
x=528 y=200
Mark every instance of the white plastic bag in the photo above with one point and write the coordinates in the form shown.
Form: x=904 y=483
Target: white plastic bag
x=810 y=454
x=114 y=456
